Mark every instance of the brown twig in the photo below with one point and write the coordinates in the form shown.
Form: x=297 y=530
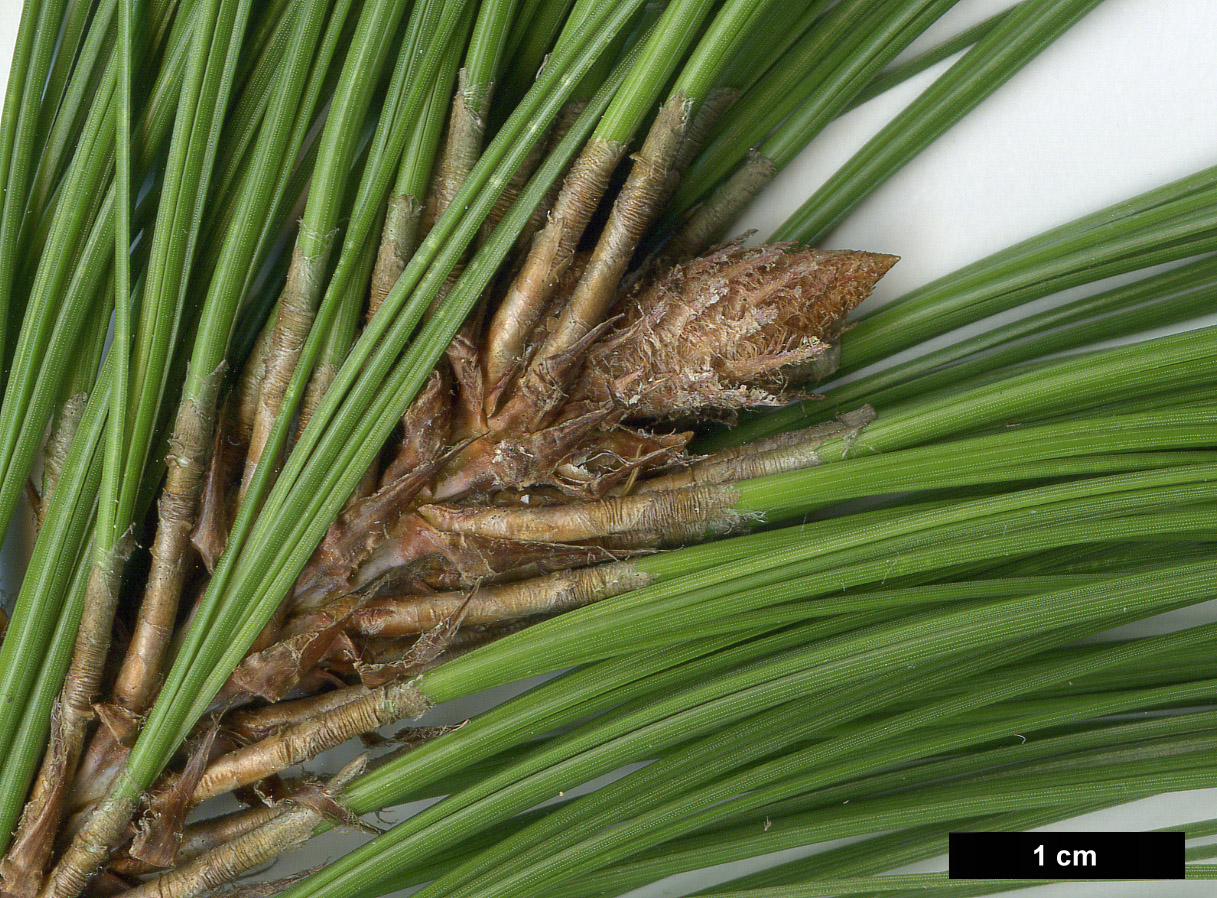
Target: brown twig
x=217 y=498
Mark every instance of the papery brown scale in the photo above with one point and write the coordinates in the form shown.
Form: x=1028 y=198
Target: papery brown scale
x=55 y=452
x=21 y=869
x=466 y=132
x=431 y=558
x=555 y=296
x=611 y=458
x=711 y=217
x=399 y=238
x=427 y=425
x=216 y=505
x=255 y=724
x=160 y=831
x=290 y=826
x=469 y=418
x=201 y=837
x=297 y=307
x=106 y=755
x=726 y=331
x=109 y=884
x=276 y=670
x=501 y=461
x=302 y=741
x=702 y=509
x=419 y=656
x=552 y=251
x=356 y=535
x=652 y=177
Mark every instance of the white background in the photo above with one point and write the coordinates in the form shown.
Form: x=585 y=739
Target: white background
x=1124 y=102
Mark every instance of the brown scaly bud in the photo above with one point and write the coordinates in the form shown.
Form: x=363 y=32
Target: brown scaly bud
x=733 y=329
